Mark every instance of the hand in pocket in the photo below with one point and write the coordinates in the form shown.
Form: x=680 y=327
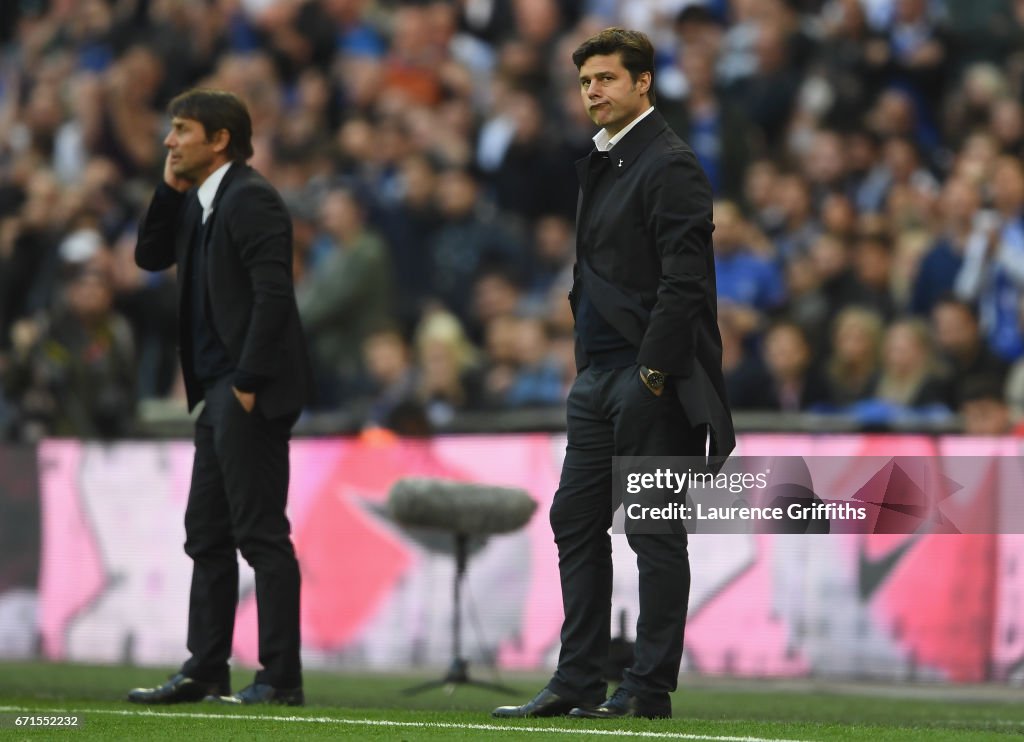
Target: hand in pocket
x=246 y=399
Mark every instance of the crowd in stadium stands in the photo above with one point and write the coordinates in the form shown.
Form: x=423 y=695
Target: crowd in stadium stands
x=866 y=157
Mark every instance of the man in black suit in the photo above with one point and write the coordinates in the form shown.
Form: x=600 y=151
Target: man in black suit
x=243 y=354
x=649 y=358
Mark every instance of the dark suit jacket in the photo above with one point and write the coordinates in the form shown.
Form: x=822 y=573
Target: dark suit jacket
x=249 y=279
x=643 y=250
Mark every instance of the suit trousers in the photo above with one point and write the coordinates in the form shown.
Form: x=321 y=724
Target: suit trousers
x=237 y=502
x=612 y=413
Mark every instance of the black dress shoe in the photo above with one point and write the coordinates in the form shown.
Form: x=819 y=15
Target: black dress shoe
x=261 y=693
x=545 y=703
x=623 y=704
x=179 y=689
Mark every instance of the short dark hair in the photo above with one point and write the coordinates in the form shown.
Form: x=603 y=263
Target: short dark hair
x=982 y=386
x=633 y=47
x=879 y=237
x=950 y=299
x=787 y=323
x=216 y=110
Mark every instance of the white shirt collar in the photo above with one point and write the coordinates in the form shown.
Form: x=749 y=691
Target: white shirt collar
x=604 y=143
x=208 y=190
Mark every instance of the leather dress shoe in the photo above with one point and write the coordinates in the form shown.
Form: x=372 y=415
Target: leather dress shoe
x=262 y=694
x=545 y=703
x=179 y=689
x=623 y=704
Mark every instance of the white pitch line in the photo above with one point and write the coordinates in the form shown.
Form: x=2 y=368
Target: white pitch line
x=404 y=724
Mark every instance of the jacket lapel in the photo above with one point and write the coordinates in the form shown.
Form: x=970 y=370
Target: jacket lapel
x=583 y=168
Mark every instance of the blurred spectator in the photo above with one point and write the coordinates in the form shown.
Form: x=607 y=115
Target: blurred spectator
x=806 y=304
x=554 y=251
x=908 y=377
x=894 y=114
x=769 y=93
x=529 y=175
x=716 y=129
x=984 y=30
x=853 y=365
x=749 y=284
x=305 y=225
x=830 y=265
x=412 y=66
x=28 y=250
x=409 y=225
x=74 y=374
x=390 y=377
x=302 y=137
x=538 y=376
x=867 y=178
x=185 y=36
x=759 y=200
x=786 y=379
x=741 y=367
x=697 y=25
x=119 y=118
x=297 y=34
x=838 y=216
x=873 y=265
x=939 y=267
x=983 y=410
x=909 y=248
x=962 y=347
x=149 y=301
x=976 y=159
x=466 y=241
x=899 y=174
x=1007 y=120
x=993 y=268
x=969 y=108
x=558 y=315
x=495 y=293
x=852 y=57
x=799 y=228
x=918 y=53
x=906 y=170
x=795 y=379
x=824 y=168
x=457 y=125
x=348 y=295
x=501 y=346
x=738 y=58
x=450 y=379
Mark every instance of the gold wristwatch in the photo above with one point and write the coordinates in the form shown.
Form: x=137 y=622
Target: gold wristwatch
x=655 y=380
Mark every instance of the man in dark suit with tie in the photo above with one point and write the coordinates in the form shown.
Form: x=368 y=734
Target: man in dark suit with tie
x=649 y=361
x=243 y=354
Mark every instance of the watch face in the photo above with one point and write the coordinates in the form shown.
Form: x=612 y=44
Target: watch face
x=656 y=379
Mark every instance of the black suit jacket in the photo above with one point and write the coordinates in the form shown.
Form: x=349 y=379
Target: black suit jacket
x=644 y=253
x=249 y=279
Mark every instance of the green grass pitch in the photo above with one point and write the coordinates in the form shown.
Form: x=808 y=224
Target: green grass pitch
x=372 y=707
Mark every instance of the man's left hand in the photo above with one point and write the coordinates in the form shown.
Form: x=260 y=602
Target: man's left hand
x=246 y=399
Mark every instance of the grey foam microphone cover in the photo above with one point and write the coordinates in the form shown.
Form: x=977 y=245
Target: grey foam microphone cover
x=461 y=507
